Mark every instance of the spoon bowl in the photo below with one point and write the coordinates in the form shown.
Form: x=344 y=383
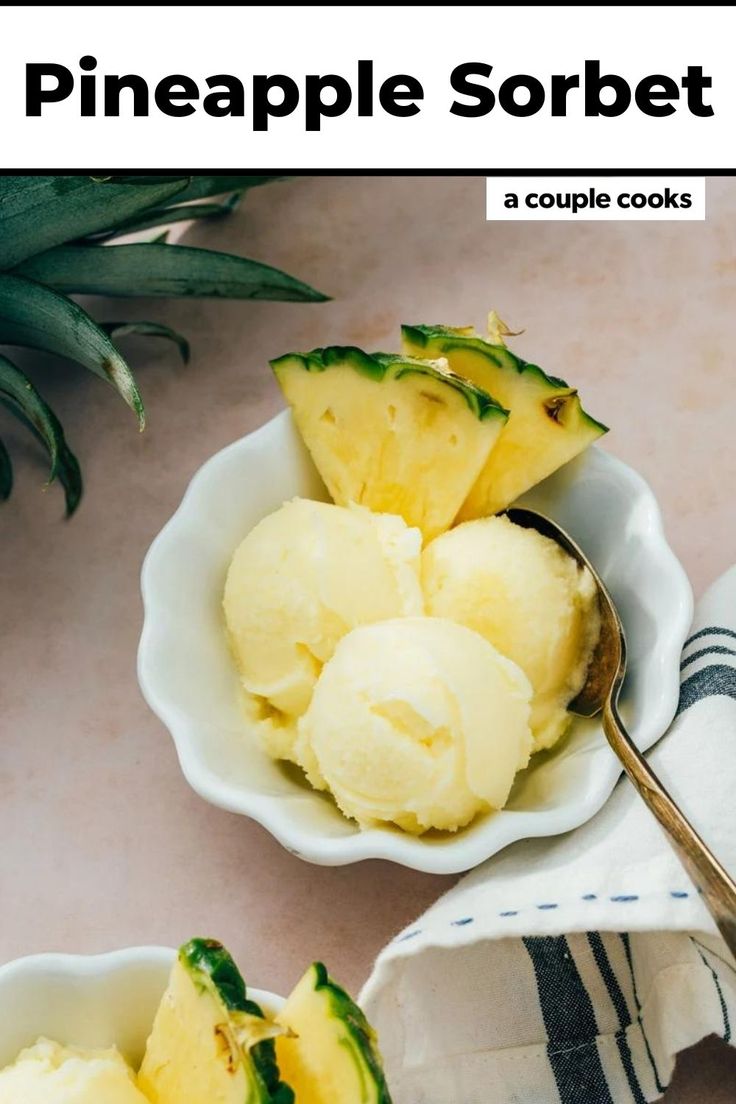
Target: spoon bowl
x=608 y=663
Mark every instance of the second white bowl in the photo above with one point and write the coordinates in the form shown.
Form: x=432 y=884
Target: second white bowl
x=88 y=1000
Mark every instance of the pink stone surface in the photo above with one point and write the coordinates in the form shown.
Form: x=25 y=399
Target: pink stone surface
x=104 y=843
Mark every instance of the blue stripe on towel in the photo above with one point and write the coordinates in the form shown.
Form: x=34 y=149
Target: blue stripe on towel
x=722 y=1000
x=618 y=1000
x=714 y=649
x=627 y=950
x=717 y=679
x=569 y=1021
x=711 y=630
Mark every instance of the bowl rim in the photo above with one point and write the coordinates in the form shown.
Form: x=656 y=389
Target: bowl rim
x=96 y=964
x=103 y=964
x=467 y=850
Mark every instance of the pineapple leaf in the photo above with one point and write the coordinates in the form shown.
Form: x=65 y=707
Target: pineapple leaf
x=6 y=472
x=164 y=216
x=39 y=317
x=19 y=395
x=68 y=471
x=70 y=477
x=148 y=329
x=200 y=187
x=149 y=268
x=38 y=212
x=149 y=178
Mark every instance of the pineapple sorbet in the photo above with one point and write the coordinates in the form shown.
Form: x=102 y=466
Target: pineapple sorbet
x=48 y=1073
x=304 y=577
x=528 y=598
x=417 y=721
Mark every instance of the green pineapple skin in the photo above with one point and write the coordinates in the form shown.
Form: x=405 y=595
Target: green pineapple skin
x=345 y=1009
x=343 y=1012
x=380 y=366
x=447 y=339
x=208 y=956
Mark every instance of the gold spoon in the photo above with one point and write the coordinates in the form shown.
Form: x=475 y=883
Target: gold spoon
x=601 y=692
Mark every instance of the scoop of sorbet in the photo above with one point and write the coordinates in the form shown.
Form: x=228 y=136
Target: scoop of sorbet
x=304 y=577
x=528 y=598
x=417 y=721
x=48 y=1073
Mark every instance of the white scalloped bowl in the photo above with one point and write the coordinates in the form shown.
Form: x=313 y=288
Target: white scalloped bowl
x=88 y=1000
x=188 y=678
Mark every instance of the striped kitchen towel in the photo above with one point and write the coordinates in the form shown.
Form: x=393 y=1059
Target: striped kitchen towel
x=573 y=970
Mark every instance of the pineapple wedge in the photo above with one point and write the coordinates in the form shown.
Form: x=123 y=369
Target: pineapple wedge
x=209 y=1042
x=396 y=434
x=328 y=1052
x=547 y=425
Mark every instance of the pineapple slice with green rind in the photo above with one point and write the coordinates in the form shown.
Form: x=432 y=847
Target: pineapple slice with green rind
x=397 y=434
x=547 y=425
x=209 y=1041
x=328 y=1052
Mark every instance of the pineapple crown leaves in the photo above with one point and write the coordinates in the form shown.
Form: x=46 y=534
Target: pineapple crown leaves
x=57 y=239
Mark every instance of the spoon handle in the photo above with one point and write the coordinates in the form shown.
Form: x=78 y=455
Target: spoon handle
x=715 y=884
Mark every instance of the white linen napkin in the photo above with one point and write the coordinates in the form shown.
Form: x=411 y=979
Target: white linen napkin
x=573 y=970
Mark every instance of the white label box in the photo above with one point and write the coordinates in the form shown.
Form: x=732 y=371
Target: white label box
x=595 y=198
